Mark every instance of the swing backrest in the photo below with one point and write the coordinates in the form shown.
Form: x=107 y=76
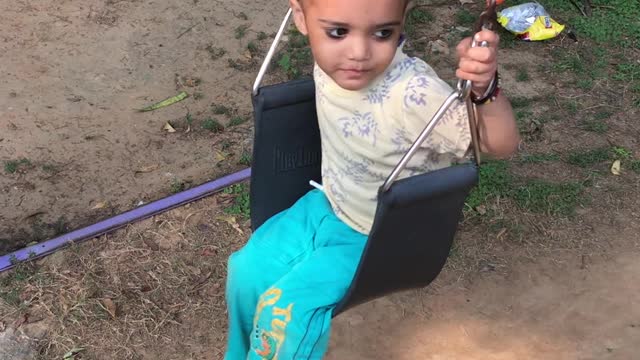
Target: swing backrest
x=286 y=148
x=416 y=218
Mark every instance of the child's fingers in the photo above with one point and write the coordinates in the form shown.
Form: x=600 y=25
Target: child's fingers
x=476 y=67
x=485 y=35
x=489 y=36
x=480 y=81
x=463 y=47
x=481 y=54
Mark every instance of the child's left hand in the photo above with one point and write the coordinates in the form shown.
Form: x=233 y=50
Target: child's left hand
x=478 y=64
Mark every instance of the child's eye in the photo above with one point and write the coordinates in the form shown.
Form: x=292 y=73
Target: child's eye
x=383 y=34
x=337 y=33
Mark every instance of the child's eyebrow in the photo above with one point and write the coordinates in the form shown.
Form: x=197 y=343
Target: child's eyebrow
x=341 y=24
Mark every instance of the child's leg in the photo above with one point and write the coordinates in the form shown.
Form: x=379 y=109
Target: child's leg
x=293 y=316
x=273 y=250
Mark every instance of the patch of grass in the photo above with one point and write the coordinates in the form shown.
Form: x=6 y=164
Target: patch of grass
x=627 y=72
x=588 y=158
x=602 y=115
x=507 y=39
x=245 y=159
x=296 y=56
x=549 y=198
x=60 y=226
x=570 y=106
x=572 y=62
x=241 y=204
x=11 y=297
x=539 y=158
x=262 y=35
x=612 y=21
x=212 y=125
x=534 y=195
x=635 y=166
x=240 y=31
x=188 y=119
x=522 y=75
x=518 y=102
x=176 y=186
x=297 y=39
x=415 y=18
x=253 y=48
x=12 y=285
x=494 y=180
x=221 y=109
x=595 y=126
x=585 y=83
x=12 y=166
x=620 y=153
x=215 y=52
x=237 y=120
x=528 y=125
x=596 y=122
x=465 y=18
x=49 y=168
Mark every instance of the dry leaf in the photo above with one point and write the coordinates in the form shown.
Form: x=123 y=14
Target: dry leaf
x=110 y=306
x=148 y=168
x=481 y=210
x=168 y=128
x=218 y=156
x=71 y=355
x=615 y=168
x=231 y=220
x=99 y=205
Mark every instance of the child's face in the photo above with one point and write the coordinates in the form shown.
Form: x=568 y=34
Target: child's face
x=353 y=41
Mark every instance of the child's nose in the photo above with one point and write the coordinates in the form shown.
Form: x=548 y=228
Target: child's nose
x=359 y=49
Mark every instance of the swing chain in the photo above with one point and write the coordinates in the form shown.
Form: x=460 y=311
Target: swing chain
x=462 y=93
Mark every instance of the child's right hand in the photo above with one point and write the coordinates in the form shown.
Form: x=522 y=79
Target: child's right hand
x=478 y=64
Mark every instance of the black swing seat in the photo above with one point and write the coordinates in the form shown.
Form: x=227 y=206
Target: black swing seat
x=415 y=221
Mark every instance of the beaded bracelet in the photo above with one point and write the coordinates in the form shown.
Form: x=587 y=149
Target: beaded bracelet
x=490 y=94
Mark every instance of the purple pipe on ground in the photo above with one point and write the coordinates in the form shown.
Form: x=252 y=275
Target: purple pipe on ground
x=159 y=206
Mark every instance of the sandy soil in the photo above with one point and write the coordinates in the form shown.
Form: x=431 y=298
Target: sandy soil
x=73 y=73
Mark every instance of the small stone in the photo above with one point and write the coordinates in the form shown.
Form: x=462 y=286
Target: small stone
x=439 y=47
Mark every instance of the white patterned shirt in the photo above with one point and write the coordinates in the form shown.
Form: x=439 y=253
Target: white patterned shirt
x=365 y=133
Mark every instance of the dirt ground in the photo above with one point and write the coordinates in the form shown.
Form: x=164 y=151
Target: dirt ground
x=520 y=284
x=73 y=73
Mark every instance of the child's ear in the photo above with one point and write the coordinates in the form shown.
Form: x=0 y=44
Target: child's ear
x=298 y=16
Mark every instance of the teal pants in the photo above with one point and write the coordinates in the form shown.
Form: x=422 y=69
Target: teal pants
x=283 y=285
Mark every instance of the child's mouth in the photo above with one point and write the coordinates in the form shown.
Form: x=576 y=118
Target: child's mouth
x=354 y=73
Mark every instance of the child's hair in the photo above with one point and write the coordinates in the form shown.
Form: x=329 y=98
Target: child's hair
x=407 y=3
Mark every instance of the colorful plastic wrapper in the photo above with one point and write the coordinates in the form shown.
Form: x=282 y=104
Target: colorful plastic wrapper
x=530 y=21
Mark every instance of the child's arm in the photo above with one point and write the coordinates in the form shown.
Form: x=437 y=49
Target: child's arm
x=496 y=122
